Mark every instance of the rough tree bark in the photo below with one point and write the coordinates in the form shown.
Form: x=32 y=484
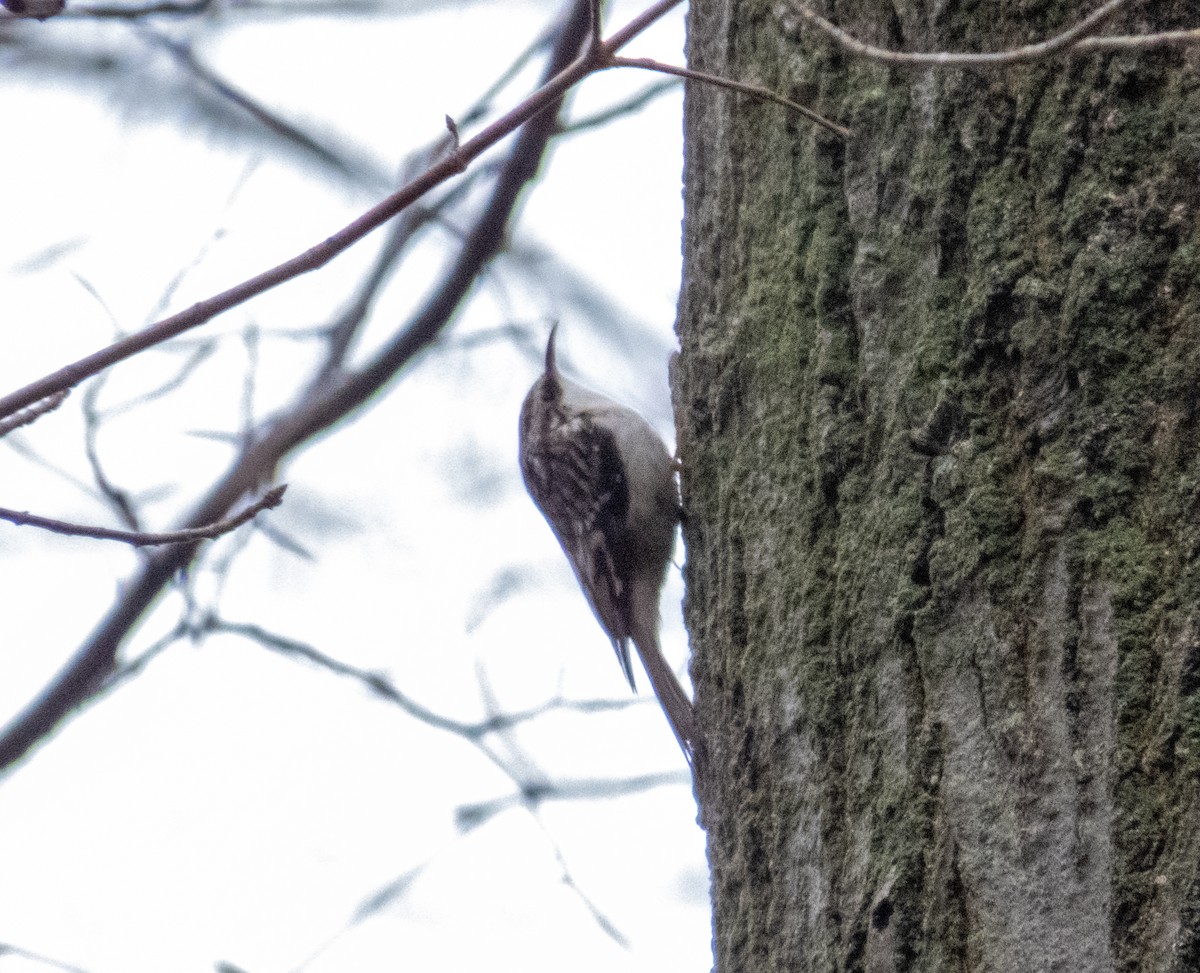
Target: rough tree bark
x=938 y=410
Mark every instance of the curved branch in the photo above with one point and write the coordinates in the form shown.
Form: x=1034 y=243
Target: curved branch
x=955 y=59
x=381 y=686
x=754 y=90
x=1140 y=42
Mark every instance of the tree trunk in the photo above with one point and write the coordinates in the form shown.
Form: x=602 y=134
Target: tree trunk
x=938 y=412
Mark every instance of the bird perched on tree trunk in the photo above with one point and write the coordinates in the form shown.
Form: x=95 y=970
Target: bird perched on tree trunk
x=605 y=483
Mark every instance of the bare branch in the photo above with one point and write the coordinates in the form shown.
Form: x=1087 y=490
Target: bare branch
x=34 y=412
x=197 y=355
x=341 y=334
x=1138 y=42
x=384 y=688
x=607 y=926
x=18 y=444
x=757 y=91
x=374 y=903
x=271 y=499
x=377 y=683
x=627 y=107
x=455 y=162
x=128 y=670
x=118 y=500
x=1019 y=55
x=183 y=55
x=590 y=789
x=528 y=795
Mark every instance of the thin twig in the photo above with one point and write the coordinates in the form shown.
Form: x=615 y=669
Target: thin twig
x=1139 y=42
x=1018 y=55
x=34 y=412
x=627 y=107
x=271 y=499
x=648 y=64
x=379 y=685
x=119 y=500
x=403 y=231
x=341 y=333
x=136 y=666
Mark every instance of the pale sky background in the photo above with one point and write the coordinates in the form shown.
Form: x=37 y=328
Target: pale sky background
x=231 y=805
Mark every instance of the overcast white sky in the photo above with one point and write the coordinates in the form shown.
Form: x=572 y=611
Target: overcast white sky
x=231 y=805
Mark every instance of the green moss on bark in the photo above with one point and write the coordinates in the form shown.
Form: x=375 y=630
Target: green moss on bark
x=938 y=405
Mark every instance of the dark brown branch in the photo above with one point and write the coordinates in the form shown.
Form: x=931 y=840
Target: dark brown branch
x=184 y=628
x=606 y=924
x=534 y=793
x=271 y=499
x=119 y=500
x=7 y=949
x=170 y=9
x=342 y=333
x=1018 y=55
x=377 y=683
x=183 y=55
x=201 y=351
x=627 y=107
x=757 y=91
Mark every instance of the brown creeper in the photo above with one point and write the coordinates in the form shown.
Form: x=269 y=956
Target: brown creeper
x=605 y=482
